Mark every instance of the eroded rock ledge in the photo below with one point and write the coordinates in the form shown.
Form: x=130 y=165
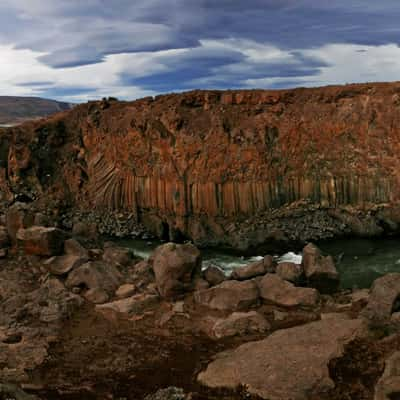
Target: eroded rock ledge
x=235 y=168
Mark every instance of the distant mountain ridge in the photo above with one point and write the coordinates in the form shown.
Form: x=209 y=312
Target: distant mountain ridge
x=14 y=109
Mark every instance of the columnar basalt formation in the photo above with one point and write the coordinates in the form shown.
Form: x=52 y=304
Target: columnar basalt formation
x=222 y=167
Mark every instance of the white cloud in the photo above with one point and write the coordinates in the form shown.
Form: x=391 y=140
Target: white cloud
x=356 y=63
x=23 y=73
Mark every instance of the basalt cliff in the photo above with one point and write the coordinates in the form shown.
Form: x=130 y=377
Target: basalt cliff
x=234 y=168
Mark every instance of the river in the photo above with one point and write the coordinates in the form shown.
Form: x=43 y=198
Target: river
x=359 y=261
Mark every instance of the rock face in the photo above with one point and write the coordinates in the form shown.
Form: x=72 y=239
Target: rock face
x=41 y=241
x=175 y=266
x=289 y=364
x=229 y=295
x=233 y=168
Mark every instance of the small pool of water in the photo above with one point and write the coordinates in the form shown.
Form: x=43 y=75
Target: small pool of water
x=359 y=261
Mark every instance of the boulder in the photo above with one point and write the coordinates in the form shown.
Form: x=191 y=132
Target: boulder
x=214 y=275
x=96 y=296
x=4 y=238
x=73 y=247
x=274 y=289
x=95 y=275
x=240 y=323
x=388 y=386
x=175 y=266
x=229 y=295
x=289 y=364
x=60 y=265
x=320 y=271
x=131 y=305
x=383 y=300
x=289 y=271
x=119 y=256
x=41 y=241
x=125 y=290
x=200 y=284
x=18 y=216
x=254 y=269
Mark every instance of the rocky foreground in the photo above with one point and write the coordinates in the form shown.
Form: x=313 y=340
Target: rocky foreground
x=86 y=319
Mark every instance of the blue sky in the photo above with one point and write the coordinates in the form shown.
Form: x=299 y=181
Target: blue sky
x=77 y=50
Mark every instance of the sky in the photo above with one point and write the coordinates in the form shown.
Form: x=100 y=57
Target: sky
x=78 y=50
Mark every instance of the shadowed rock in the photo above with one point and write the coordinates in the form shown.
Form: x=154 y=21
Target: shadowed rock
x=41 y=241
x=214 y=275
x=175 y=266
x=383 y=300
x=320 y=271
x=95 y=275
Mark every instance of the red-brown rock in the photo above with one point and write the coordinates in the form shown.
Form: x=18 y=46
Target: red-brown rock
x=175 y=266
x=320 y=271
x=41 y=241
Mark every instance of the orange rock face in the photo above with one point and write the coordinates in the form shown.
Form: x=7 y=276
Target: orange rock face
x=224 y=167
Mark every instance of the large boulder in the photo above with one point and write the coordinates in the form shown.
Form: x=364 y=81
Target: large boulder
x=214 y=275
x=320 y=271
x=289 y=364
x=388 y=386
x=240 y=323
x=229 y=295
x=73 y=247
x=96 y=277
x=61 y=265
x=119 y=256
x=254 y=269
x=175 y=267
x=383 y=300
x=290 y=271
x=41 y=241
x=274 y=289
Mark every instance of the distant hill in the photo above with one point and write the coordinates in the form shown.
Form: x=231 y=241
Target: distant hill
x=14 y=110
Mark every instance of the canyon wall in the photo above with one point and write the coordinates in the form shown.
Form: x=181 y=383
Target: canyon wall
x=234 y=168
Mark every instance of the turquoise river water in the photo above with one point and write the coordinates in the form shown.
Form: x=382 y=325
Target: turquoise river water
x=359 y=261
